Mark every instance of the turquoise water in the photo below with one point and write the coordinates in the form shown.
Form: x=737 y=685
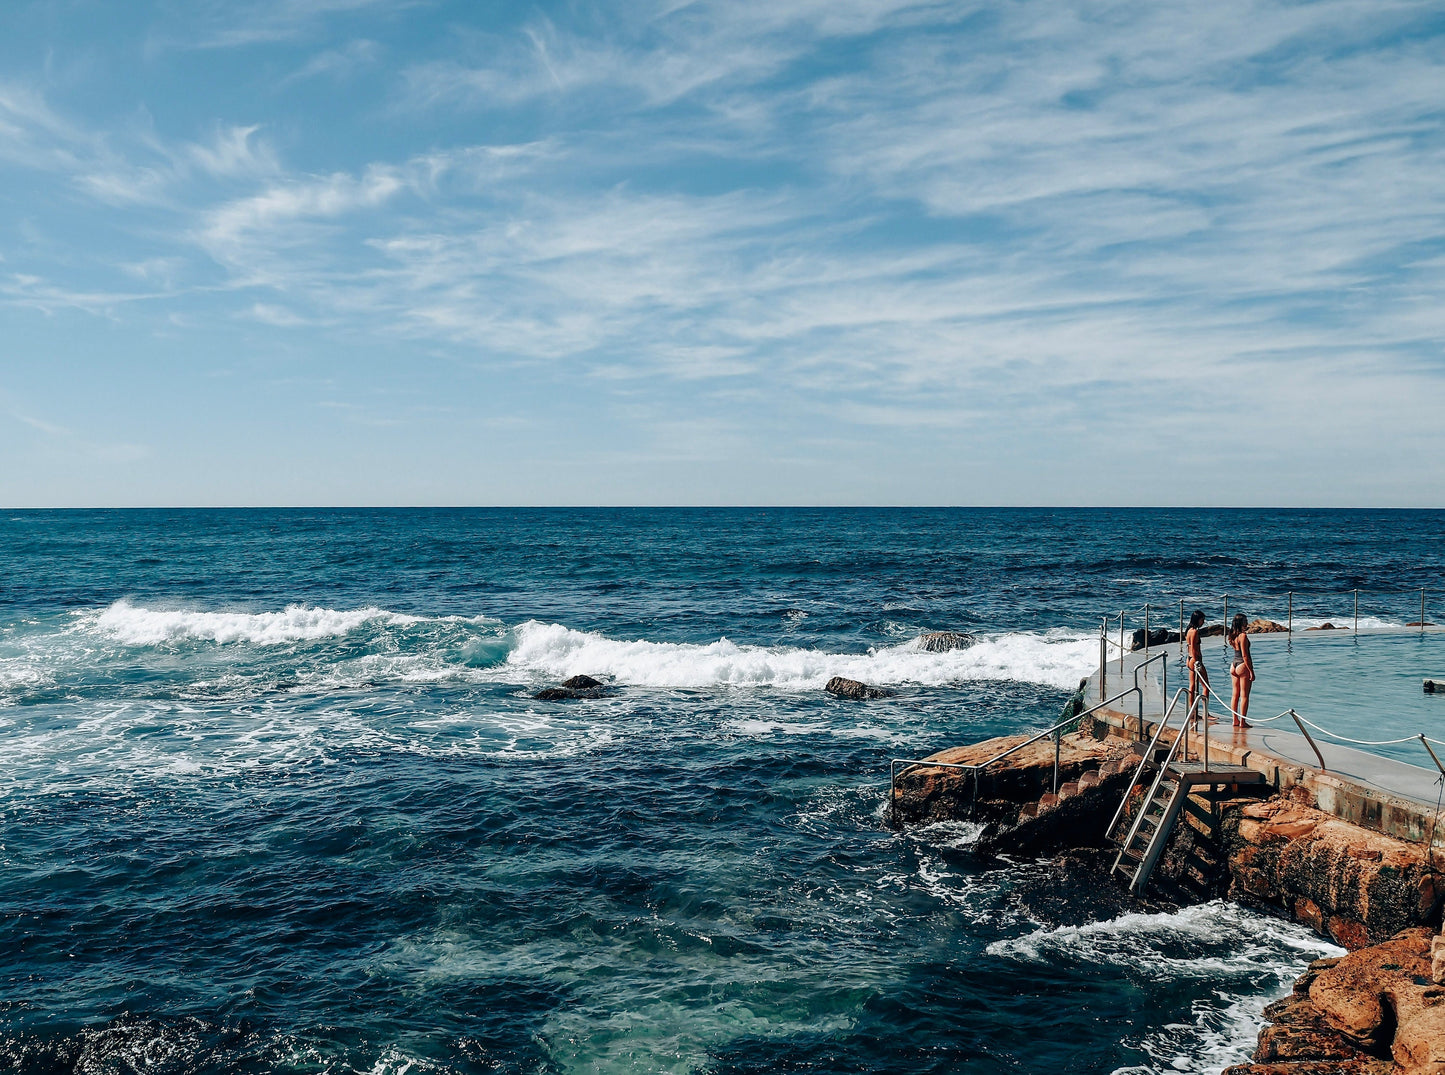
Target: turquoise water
x=1365 y=687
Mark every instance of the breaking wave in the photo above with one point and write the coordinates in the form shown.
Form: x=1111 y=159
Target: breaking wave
x=1057 y=658
x=433 y=648
x=132 y=625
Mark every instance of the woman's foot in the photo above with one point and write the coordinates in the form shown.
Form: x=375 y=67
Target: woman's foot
x=1242 y=723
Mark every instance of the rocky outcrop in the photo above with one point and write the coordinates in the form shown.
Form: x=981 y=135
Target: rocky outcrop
x=1265 y=627
x=1349 y=883
x=944 y=641
x=932 y=793
x=1325 y=627
x=1158 y=636
x=1375 y=1010
x=851 y=688
x=576 y=687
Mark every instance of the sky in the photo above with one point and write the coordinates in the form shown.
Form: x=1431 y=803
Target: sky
x=764 y=252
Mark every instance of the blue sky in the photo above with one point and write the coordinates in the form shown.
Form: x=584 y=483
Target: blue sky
x=779 y=252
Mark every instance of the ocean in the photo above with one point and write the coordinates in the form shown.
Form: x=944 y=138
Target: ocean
x=276 y=796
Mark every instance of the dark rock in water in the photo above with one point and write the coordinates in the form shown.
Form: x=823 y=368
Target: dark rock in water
x=1076 y=888
x=575 y=687
x=1325 y=627
x=944 y=641
x=1158 y=636
x=1214 y=630
x=851 y=688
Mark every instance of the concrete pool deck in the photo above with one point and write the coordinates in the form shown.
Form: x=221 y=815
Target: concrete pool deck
x=1382 y=794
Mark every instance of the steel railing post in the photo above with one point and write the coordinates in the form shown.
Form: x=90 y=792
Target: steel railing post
x=1181 y=624
x=1357 y=610
x=1226 y=623
x=1291 y=612
x=1146 y=630
x=1103 y=659
x=1121 y=645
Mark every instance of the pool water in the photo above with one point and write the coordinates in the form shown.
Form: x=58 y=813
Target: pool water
x=1365 y=686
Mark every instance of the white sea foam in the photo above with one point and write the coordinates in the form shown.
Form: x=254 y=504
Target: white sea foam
x=1198 y=941
x=1247 y=957
x=1056 y=658
x=133 y=625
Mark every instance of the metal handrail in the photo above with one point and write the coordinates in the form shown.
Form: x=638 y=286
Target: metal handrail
x=1153 y=790
x=1148 y=752
x=977 y=767
x=1162 y=655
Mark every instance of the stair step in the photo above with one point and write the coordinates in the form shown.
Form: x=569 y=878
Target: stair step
x=1048 y=802
x=1088 y=780
x=1109 y=768
x=1069 y=790
x=1027 y=811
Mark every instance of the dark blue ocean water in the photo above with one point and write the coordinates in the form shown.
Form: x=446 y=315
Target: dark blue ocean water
x=275 y=796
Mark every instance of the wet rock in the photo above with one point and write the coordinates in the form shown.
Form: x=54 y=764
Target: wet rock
x=931 y=792
x=1356 y=886
x=1382 y=998
x=851 y=688
x=574 y=687
x=1158 y=636
x=1265 y=627
x=1075 y=888
x=1325 y=627
x=944 y=641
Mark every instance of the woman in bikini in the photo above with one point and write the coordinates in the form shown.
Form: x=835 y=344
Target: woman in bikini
x=1241 y=670
x=1198 y=674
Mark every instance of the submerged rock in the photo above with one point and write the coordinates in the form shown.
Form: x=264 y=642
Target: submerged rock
x=944 y=641
x=575 y=687
x=1325 y=627
x=851 y=688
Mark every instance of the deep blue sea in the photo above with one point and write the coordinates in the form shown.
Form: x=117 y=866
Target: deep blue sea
x=275 y=795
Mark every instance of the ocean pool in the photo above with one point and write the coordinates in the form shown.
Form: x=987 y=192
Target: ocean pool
x=1365 y=686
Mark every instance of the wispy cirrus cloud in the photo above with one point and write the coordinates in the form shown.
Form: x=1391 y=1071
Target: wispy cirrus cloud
x=896 y=215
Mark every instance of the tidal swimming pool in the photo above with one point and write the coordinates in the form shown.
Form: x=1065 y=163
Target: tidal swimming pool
x=1367 y=686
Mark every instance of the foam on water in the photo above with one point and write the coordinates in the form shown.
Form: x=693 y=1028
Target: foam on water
x=1055 y=658
x=132 y=625
x=1248 y=958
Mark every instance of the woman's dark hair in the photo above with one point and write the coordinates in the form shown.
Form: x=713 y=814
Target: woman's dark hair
x=1236 y=626
x=1196 y=618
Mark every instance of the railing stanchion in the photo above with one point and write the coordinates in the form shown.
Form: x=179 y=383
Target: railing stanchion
x=1291 y=612
x=1308 y=739
x=1426 y=744
x=1357 y=610
x=1226 y=623
x=1146 y=630
x=1422 y=610
x=1103 y=658
x=1121 y=645
x=1181 y=624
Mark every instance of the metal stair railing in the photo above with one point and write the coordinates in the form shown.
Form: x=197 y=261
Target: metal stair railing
x=1149 y=753
x=979 y=767
x=1156 y=842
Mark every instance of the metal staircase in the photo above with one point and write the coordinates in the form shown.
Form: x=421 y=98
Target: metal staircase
x=1139 y=851
x=1175 y=779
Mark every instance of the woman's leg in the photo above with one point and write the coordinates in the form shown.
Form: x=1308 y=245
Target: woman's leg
x=1245 y=681
x=1234 y=695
